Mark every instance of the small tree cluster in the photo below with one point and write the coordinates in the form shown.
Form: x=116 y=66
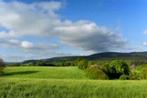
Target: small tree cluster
x=2 y=66
x=82 y=63
x=94 y=72
x=115 y=69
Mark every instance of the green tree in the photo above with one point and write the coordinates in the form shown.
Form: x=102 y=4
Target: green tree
x=82 y=63
x=2 y=66
x=115 y=69
x=94 y=72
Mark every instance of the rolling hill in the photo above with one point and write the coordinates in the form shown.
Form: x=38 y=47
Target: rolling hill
x=133 y=56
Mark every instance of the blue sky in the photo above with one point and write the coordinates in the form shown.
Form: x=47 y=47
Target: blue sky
x=35 y=29
x=128 y=15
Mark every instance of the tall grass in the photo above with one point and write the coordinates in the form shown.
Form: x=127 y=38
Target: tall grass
x=54 y=88
x=64 y=82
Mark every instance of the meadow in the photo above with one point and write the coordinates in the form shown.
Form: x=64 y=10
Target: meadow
x=44 y=72
x=65 y=82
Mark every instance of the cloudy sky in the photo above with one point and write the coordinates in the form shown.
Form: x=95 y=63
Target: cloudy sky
x=34 y=29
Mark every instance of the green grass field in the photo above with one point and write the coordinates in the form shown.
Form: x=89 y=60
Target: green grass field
x=45 y=72
x=64 y=82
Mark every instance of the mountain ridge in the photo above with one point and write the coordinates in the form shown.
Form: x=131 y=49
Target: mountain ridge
x=97 y=56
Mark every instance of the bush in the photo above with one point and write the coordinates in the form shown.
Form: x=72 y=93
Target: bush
x=124 y=77
x=94 y=72
x=2 y=66
x=144 y=73
x=115 y=69
x=82 y=63
x=135 y=75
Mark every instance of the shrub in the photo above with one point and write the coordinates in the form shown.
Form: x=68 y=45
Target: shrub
x=94 y=72
x=2 y=66
x=82 y=63
x=115 y=69
x=135 y=75
x=124 y=77
x=144 y=73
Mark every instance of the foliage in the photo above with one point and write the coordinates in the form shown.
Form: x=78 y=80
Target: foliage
x=94 y=72
x=82 y=63
x=135 y=75
x=115 y=69
x=124 y=77
x=144 y=73
x=2 y=66
x=41 y=63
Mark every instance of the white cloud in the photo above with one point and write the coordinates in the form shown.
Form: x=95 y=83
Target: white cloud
x=27 y=44
x=29 y=19
x=145 y=43
x=40 y=19
x=88 y=36
x=14 y=41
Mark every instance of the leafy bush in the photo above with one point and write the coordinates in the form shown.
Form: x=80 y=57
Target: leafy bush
x=115 y=69
x=124 y=77
x=2 y=66
x=82 y=63
x=135 y=75
x=144 y=73
x=94 y=72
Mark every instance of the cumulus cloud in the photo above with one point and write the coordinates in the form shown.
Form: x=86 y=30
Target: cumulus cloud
x=27 y=45
x=28 y=19
x=14 y=43
x=88 y=36
x=41 y=19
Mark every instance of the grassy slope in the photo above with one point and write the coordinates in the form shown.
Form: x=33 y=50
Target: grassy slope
x=64 y=82
x=45 y=72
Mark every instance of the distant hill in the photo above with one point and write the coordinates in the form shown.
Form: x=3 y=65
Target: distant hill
x=133 y=56
x=111 y=55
